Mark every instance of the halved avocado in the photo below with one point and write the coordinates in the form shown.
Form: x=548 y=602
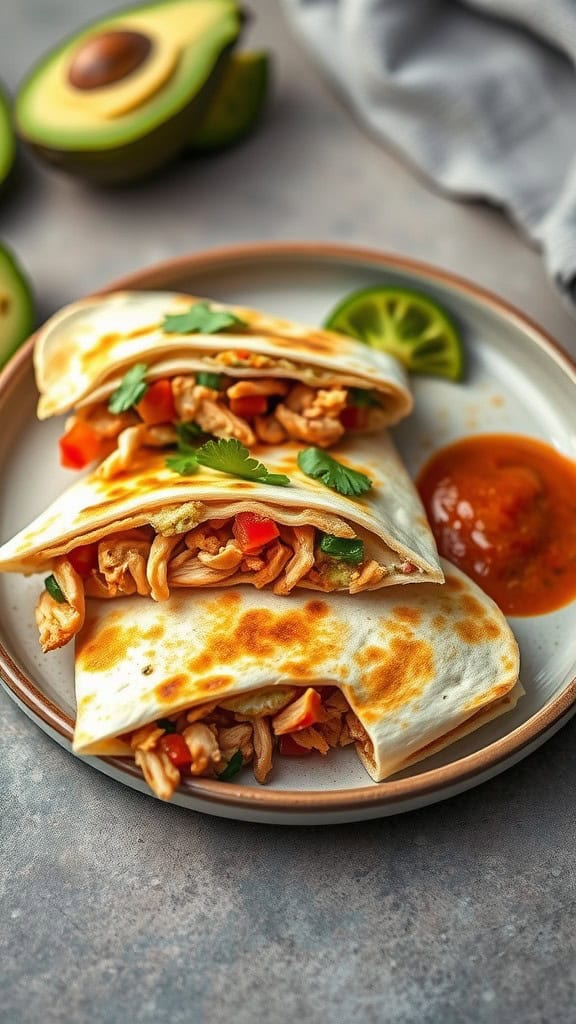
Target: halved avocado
x=121 y=98
x=16 y=306
x=237 y=104
x=7 y=140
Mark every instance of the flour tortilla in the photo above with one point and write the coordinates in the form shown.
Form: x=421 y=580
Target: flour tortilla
x=419 y=667
x=389 y=518
x=83 y=351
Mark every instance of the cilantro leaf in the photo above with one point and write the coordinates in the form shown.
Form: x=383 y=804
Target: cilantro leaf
x=187 y=431
x=184 y=462
x=363 y=399
x=229 y=456
x=131 y=389
x=232 y=768
x=320 y=466
x=201 y=319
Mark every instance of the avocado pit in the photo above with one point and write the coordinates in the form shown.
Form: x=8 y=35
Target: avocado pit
x=108 y=58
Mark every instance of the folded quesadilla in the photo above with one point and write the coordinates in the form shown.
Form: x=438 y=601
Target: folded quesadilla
x=358 y=524
x=141 y=362
x=201 y=687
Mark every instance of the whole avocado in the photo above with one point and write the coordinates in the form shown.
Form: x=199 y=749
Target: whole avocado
x=121 y=98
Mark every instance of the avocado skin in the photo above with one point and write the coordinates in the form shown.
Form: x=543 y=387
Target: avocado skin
x=7 y=139
x=12 y=274
x=142 y=157
x=237 y=104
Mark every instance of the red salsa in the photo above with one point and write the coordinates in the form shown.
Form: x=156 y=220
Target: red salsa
x=503 y=508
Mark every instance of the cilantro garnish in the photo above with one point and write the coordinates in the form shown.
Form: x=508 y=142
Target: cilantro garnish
x=184 y=463
x=51 y=584
x=320 y=466
x=187 y=431
x=227 y=455
x=131 y=389
x=362 y=398
x=232 y=768
x=201 y=319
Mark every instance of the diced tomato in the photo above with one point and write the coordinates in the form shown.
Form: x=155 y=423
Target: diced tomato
x=290 y=748
x=157 y=405
x=353 y=417
x=253 y=531
x=80 y=446
x=174 y=745
x=299 y=715
x=251 y=405
x=84 y=558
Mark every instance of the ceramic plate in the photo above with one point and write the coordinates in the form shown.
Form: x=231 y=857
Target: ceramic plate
x=517 y=381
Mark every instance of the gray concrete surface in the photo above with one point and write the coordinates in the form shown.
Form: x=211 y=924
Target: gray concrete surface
x=117 y=908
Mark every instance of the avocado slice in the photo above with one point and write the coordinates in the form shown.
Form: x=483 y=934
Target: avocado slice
x=7 y=140
x=237 y=104
x=16 y=305
x=121 y=98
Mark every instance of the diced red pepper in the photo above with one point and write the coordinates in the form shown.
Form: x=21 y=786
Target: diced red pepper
x=253 y=531
x=84 y=558
x=157 y=405
x=300 y=714
x=80 y=446
x=353 y=417
x=290 y=748
x=174 y=745
x=250 y=405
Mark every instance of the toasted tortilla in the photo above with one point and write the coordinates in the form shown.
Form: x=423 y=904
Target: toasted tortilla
x=389 y=518
x=420 y=668
x=83 y=351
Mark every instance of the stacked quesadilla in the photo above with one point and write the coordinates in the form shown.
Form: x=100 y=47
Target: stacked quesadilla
x=232 y=673
x=232 y=585
x=232 y=371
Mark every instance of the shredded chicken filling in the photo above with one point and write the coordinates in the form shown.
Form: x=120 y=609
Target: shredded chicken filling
x=140 y=561
x=217 y=739
x=266 y=410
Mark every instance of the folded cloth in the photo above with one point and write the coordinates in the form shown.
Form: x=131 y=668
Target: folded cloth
x=479 y=94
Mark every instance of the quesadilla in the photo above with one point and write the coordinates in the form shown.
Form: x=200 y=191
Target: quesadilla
x=152 y=530
x=202 y=687
x=145 y=361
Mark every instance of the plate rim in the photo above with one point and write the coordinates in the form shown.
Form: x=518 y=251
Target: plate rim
x=388 y=793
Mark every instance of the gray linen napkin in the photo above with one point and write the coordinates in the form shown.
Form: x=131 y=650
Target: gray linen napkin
x=478 y=94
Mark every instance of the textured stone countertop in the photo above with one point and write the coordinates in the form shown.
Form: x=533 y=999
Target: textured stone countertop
x=118 y=908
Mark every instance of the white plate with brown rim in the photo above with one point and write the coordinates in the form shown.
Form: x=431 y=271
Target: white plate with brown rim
x=517 y=381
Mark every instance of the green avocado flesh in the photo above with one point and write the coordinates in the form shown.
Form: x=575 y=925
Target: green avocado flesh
x=161 y=101
x=237 y=104
x=7 y=145
x=16 y=306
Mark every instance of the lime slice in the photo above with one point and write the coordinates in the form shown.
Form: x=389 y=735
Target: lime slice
x=407 y=324
x=16 y=306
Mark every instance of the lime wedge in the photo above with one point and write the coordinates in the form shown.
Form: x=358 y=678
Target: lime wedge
x=408 y=324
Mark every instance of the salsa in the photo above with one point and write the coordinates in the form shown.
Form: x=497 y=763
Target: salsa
x=503 y=508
